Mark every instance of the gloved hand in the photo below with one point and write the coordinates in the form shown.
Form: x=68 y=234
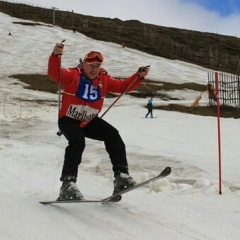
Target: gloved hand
x=143 y=71
x=58 y=49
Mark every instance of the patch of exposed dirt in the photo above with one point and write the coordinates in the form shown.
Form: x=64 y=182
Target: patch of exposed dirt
x=149 y=88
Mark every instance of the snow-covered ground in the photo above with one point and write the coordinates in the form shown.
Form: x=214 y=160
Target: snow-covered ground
x=186 y=205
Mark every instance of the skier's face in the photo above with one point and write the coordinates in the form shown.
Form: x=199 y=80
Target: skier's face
x=91 y=69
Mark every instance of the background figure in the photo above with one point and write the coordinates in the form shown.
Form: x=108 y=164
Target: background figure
x=80 y=64
x=150 y=108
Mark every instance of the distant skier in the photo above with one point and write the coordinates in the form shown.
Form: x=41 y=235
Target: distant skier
x=80 y=64
x=150 y=108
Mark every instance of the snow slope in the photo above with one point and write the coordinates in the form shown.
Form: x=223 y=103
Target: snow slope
x=186 y=205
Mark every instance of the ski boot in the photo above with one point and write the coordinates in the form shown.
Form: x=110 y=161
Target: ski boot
x=122 y=181
x=69 y=191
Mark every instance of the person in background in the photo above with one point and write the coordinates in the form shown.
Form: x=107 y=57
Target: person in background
x=150 y=108
x=84 y=91
x=80 y=64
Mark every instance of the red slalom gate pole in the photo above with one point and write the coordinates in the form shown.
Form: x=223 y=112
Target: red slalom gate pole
x=219 y=132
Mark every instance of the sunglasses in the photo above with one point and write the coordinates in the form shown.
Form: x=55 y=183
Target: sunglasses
x=93 y=55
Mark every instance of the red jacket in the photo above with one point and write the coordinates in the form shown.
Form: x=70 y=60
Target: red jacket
x=83 y=98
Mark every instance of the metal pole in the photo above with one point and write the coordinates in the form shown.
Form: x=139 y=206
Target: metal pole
x=219 y=133
x=54 y=8
x=72 y=18
x=59 y=133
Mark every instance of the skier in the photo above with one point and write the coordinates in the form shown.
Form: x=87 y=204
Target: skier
x=80 y=64
x=150 y=108
x=84 y=91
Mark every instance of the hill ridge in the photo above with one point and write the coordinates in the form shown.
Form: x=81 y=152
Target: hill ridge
x=210 y=50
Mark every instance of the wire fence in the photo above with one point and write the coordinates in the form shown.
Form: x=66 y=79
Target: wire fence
x=229 y=89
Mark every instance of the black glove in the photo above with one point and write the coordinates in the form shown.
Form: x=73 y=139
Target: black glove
x=143 y=69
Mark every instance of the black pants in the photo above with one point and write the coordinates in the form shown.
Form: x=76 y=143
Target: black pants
x=150 y=111
x=99 y=130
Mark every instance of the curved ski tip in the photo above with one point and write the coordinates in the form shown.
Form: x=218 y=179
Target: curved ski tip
x=167 y=170
x=118 y=198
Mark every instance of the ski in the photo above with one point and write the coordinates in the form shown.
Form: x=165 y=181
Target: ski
x=71 y=201
x=116 y=197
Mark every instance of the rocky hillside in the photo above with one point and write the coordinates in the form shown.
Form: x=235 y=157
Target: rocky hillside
x=218 y=52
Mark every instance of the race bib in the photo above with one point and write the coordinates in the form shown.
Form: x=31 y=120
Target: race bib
x=86 y=90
